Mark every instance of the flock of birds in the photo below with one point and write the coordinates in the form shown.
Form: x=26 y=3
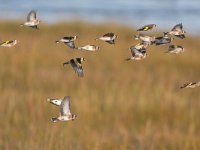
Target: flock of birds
x=138 y=52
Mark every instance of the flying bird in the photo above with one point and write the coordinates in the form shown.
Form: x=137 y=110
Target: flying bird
x=65 y=113
x=32 y=20
x=175 y=49
x=88 y=48
x=177 y=31
x=9 y=43
x=68 y=40
x=190 y=85
x=147 y=27
x=137 y=54
x=108 y=37
x=76 y=65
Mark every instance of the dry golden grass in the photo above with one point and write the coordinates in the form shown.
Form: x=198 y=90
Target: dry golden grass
x=120 y=105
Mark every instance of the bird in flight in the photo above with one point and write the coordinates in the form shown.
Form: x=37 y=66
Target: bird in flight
x=32 y=20
x=76 y=65
x=108 y=37
x=65 y=112
x=68 y=40
x=147 y=27
x=9 y=43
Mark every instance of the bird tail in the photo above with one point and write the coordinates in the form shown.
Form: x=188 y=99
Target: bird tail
x=54 y=119
x=57 y=41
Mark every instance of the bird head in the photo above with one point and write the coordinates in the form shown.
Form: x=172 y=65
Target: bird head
x=82 y=59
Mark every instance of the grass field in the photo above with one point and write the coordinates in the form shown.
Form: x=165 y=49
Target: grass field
x=135 y=105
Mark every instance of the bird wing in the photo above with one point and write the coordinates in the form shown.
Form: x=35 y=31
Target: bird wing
x=184 y=85
x=177 y=27
x=182 y=36
x=76 y=65
x=146 y=28
x=7 y=42
x=171 y=47
x=31 y=16
x=70 y=44
x=65 y=106
x=108 y=35
x=142 y=51
x=134 y=51
x=111 y=41
x=68 y=38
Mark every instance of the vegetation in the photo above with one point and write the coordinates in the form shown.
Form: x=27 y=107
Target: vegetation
x=120 y=105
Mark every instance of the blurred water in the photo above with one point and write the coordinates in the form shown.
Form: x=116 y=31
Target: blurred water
x=165 y=13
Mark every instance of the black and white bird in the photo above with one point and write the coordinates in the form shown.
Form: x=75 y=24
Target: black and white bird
x=190 y=85
x=76 y=65
x=9 y=43
x=88 y=47
x=68 y=40
x=147 y=27
x=177 y=31
x=175 y=49
x=64 y=105
x=108 y=37
x=138 y=53
x=32 y=20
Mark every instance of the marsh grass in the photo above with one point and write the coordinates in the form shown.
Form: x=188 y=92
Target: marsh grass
x=120 y=105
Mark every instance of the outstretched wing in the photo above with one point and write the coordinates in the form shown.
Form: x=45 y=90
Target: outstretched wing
x=108 y=35
x=76 y=65
x=31 y=16
x=177 y=27
x=65 y=106
x=70 y=44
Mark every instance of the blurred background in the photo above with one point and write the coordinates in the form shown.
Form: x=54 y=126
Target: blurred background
x=135 y=105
